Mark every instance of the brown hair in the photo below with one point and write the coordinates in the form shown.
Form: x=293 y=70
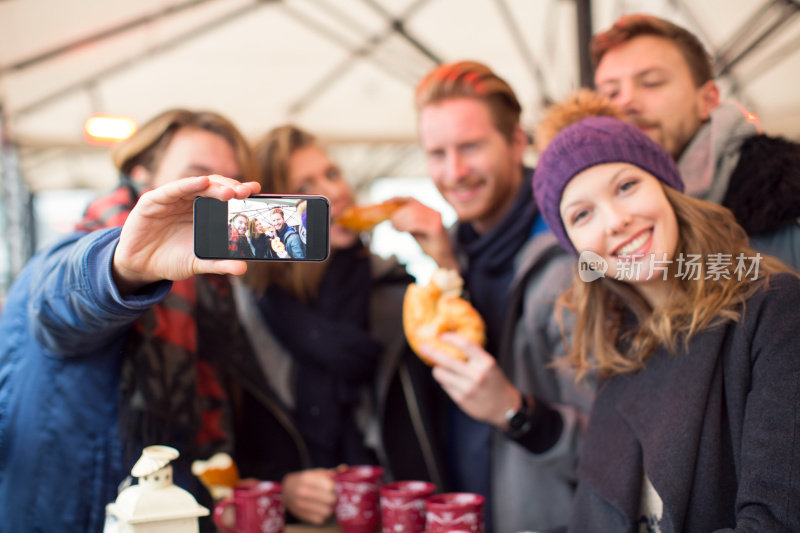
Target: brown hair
x=469 y=79
x=272 y=155
x=147 y=146
x=628 y=27
x=693 y=306
x=579 y=105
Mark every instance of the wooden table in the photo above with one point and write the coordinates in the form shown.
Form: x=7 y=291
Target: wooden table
x=303 y=528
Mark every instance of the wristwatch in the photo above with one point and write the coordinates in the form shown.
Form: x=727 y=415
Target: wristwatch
x=519 y=420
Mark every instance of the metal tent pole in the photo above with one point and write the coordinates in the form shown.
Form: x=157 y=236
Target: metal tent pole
x=139 y=57
x=365 y=51
x=98 y=38
x=16 y=205
x=528 y=58
x=583 y=10
x=747 y=40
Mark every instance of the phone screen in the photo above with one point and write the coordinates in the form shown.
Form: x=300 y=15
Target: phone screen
x=263 y=227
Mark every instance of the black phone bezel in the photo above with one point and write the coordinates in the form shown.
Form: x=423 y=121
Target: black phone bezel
x=211 y=227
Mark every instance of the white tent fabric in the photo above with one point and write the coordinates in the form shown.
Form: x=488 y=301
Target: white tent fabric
x=345 y=69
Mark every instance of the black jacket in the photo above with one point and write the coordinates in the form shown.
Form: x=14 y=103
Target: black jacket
x=764 y=189
x=406 y=400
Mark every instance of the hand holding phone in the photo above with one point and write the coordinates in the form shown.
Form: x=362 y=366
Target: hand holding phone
x=155 y=242
x=263 y=227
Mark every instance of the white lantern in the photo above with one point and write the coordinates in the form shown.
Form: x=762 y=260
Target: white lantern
x=155 y=504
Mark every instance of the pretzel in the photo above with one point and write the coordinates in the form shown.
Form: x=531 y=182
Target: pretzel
x=366 y=217
x=432 y=309
x=279 y=248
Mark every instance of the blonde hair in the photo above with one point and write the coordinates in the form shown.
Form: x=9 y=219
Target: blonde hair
x=600 y=344
x=252 y=227
x=470 y=79
x=148 y=145
x=272 y=154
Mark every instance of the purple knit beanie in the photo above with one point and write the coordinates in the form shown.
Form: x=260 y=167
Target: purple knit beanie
x=589 y=142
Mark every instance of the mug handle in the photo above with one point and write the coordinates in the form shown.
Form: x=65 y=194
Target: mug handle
x=218 y=510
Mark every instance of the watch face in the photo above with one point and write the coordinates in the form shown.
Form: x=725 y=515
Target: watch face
x=519 y=422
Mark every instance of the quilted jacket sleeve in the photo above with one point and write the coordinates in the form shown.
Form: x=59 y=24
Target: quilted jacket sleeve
x=74 y=305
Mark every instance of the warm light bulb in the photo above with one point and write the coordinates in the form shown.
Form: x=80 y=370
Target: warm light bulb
x=105 y=129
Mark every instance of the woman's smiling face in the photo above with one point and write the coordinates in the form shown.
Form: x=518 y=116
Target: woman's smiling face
x=620 y=212
x=312 y=172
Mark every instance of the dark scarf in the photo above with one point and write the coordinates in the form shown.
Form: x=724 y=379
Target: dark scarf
x=334 y=356
x=490 y=260
x=169 y=390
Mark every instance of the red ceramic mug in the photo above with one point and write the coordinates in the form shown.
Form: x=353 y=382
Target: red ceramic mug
x=357 y=498
x=258 y=508
x=455 y=511
x=403 y=506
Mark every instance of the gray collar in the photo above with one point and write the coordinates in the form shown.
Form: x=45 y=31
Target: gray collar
x=709 y=159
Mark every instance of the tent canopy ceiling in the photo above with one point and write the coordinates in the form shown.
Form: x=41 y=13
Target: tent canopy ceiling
x=343 y=69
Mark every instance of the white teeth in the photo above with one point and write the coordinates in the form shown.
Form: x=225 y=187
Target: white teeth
x=634 y=245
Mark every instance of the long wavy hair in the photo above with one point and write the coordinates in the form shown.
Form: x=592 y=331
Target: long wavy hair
x=602 y=341
x=273 y=153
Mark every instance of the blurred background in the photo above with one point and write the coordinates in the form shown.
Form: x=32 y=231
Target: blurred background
x=343 y=69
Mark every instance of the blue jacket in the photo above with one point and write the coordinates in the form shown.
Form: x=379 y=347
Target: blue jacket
x=62 y=333
x=294 y=245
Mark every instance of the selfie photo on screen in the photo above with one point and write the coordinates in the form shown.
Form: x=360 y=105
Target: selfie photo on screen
x=261 y=228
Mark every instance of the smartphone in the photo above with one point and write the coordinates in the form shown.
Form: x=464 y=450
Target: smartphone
x=263 y=227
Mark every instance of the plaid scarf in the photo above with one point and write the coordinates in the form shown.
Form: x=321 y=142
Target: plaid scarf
x=238 y=245
x=170 y=392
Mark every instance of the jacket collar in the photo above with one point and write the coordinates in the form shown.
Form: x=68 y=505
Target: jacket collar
x=709 y=159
